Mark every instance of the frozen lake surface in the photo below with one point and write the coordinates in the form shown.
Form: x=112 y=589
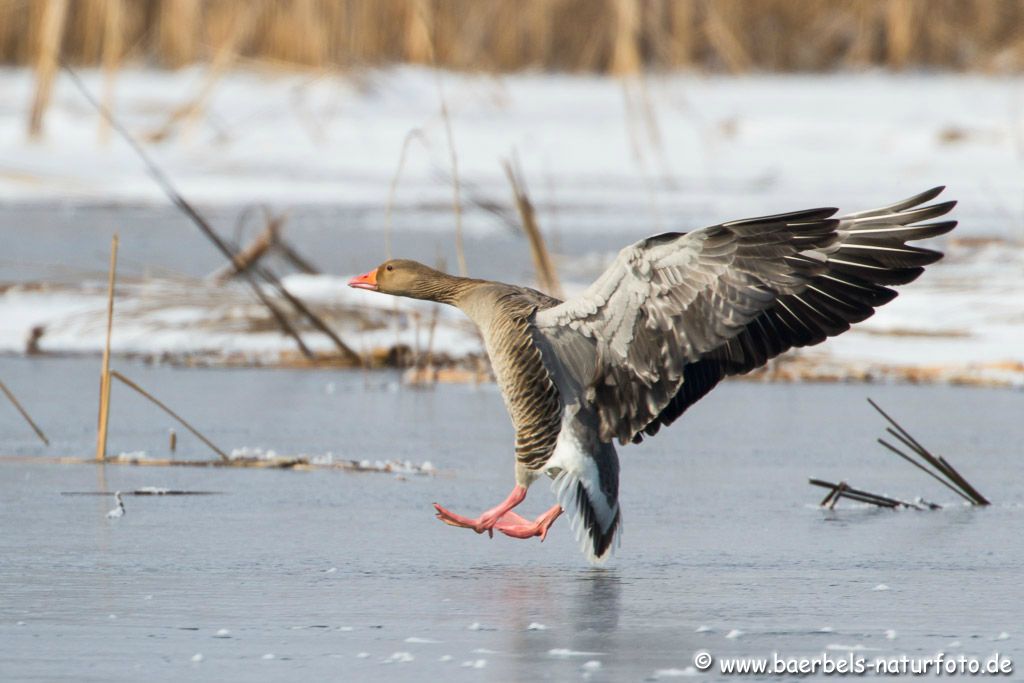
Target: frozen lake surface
x=337 y=576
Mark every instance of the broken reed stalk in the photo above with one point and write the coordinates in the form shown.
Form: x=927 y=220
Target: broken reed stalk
x=228 y=250
x=950 y=477
x=104 y=415
x=293 y=257
x=547 y=276
x=252 y=253
x=843 y=490
x=24 y=413
x=924 y=469
x=51 y=33
x=179 y=418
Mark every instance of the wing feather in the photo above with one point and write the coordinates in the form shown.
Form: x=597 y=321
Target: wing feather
x=677 y=312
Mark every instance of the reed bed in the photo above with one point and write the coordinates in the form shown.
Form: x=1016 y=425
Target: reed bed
x=608 y=36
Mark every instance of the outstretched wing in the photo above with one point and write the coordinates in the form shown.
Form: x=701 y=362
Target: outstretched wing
x=675 y=313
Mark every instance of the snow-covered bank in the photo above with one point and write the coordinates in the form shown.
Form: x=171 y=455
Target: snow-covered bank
x=708 y=147
x=194 y=320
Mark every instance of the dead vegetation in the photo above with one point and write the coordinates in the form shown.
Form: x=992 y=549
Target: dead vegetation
x=612 y=36
x=935 y=466
x=24 y=413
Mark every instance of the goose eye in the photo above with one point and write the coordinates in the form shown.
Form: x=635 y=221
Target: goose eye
x=390 y=268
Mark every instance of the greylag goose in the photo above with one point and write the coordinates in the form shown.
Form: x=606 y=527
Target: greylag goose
x=672 y=316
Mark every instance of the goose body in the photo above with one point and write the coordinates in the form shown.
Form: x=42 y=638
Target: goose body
x=671 y=317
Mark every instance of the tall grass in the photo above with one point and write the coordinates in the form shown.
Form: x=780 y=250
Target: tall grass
x=614 y=36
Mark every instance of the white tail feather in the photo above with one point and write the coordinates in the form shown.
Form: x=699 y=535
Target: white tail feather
x=568 y=487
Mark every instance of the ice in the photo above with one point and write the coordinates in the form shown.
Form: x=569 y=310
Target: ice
x=890 y=634
x=734 y=633
x=407 y=573
x=676 y=673
x=704 y=629
x=269 y=655
x=222 y=633
x=880 y=587
x=1003 y=635
x=475 y=663
x=421 y=641
x=399 y=658
x=535 y=626
x=591 y=665
x=566 y=652
x=197 y=657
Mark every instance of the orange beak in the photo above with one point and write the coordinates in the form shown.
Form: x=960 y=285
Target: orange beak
x=365 y=281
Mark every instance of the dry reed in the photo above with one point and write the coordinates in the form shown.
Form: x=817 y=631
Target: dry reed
x=547 y=275
x=944 y=473
x=615 y=36
x=104 y=414
x=129 y=383
x=24 y=413
x=49 y=38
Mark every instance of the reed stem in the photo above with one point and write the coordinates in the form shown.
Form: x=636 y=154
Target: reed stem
x=179 y=418
x=104 y=416
x=24 y=413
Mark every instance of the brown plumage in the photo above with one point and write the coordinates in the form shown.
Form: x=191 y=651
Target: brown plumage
x=672 y=316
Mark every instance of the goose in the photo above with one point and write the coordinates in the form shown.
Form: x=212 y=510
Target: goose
x=672 y=316
x=119 y=510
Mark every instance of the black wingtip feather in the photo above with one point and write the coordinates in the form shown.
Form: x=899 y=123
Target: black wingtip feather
x=863 y=253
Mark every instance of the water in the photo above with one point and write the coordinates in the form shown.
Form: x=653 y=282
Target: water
x=332 y=573
x=69 y=244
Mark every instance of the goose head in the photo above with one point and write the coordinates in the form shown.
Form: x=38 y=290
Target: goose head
x=402 y=277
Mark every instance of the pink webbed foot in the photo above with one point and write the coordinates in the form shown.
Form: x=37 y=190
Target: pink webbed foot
x=515 y=526
x=487 y=520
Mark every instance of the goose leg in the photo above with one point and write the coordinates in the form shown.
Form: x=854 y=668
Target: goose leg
x=487 y=520
x=515 y=526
